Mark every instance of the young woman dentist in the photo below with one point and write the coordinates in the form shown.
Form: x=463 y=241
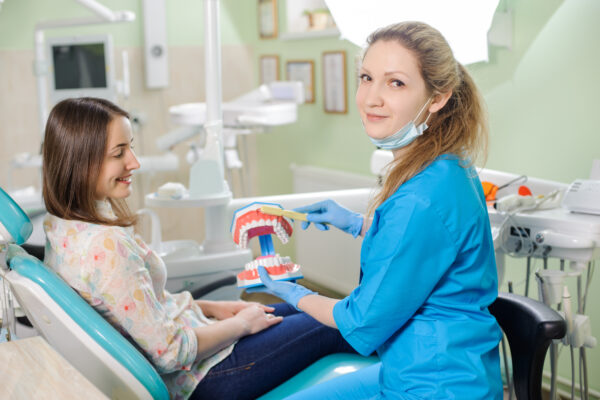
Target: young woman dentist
x=427 y=261
x=202 y=349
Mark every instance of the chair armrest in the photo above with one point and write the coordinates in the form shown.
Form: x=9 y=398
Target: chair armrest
x=530 y=326
x=206 y=288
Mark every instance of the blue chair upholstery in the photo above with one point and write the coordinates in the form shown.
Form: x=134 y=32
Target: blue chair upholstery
x=326 y=368
x=14 y=219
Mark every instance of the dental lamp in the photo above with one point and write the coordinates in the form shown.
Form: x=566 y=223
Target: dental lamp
x=107 y=14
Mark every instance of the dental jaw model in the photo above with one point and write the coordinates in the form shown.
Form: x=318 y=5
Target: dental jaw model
x=249 y=222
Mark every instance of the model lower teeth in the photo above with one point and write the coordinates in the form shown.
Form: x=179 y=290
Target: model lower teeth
x=249 y=222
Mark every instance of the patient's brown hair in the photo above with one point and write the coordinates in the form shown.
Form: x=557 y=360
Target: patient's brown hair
x=73 y=151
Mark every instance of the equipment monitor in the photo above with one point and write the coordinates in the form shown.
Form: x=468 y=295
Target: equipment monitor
x=81 y=66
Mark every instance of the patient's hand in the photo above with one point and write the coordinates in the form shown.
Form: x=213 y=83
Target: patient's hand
x=246 y=319
x=255 y=319
x=226 y=309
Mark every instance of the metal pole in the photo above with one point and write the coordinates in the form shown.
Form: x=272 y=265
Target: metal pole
x=216 y=234
x=212 y=70
x=40 y=70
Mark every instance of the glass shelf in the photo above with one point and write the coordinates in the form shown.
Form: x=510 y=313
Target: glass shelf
x=219 y=199
x=329 y=32
x=297 y=24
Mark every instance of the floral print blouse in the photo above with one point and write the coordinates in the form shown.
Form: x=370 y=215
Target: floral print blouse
x=118 y=275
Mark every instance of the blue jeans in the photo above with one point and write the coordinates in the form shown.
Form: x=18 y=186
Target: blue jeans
x=263 y=361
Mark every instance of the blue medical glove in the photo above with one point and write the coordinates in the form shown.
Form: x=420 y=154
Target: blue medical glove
x=330 y=212
x=289 y=292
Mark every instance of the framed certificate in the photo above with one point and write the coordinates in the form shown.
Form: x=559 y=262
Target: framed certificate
x=303 y=71
x=269 y=68
x=334 y=82
x=267 y=19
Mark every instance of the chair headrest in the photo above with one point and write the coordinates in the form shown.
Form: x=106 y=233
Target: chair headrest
x=15 y=225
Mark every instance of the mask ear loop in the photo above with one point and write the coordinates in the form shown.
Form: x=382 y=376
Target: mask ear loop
x=423 y=108
x=427 y=119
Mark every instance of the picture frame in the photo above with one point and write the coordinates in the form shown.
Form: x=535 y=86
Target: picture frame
x=269 y=68
x=335 y=93
x=267 y=19
x=303 y=71
x=357 y=66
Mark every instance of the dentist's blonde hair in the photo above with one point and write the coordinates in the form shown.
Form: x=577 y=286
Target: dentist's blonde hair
x=459 y=128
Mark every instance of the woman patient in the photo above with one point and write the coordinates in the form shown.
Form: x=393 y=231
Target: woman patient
x=202 y=349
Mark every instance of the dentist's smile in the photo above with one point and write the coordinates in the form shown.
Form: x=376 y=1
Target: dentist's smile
x=375 y=117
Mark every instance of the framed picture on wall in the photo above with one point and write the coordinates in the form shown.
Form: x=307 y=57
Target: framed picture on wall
x=334 y=82
x=357 y=66
x=267 y=19
x=303 y=71
x=269 y=68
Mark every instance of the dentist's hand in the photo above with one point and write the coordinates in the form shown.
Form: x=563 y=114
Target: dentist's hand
x=289 y=292
x=330 y=212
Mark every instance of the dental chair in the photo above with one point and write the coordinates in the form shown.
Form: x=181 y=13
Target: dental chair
x=529 y=326
x=117 y=368
x=69 y=324
x=94 y=347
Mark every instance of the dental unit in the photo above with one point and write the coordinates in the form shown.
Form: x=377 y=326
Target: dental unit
x=543 y=221
x=249 y=222
x=542 y=226
x=191 y=263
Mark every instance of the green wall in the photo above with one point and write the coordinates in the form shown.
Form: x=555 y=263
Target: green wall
x=541 y=94
x=327 y=140
x=184 y=21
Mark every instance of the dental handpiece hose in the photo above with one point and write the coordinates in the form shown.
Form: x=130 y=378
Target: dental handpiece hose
x=553 y=349
x=553 y=362
x=566 y=303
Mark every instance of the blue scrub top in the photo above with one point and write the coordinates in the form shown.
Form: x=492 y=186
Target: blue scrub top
x=428 y=276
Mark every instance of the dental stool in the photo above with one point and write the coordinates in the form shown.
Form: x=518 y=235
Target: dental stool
x=69 y=324
x=529 y=325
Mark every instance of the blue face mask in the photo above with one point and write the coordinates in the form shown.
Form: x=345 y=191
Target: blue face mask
x=405 y=135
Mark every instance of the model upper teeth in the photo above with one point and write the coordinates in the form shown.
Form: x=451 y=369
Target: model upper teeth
x=250 y=221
